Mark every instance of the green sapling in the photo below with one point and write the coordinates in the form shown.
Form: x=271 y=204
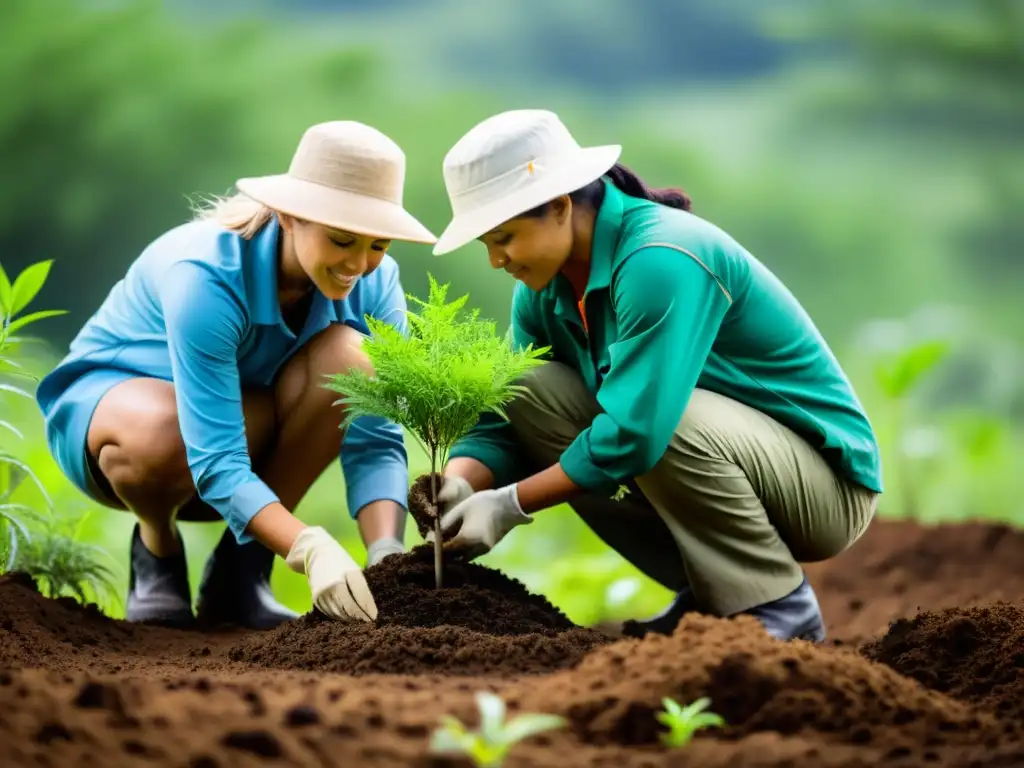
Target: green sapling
x=436 y=381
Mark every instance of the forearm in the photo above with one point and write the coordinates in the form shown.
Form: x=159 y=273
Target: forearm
x=381 y=519
x=276 y=528
x=474 y=472
x=545 y=489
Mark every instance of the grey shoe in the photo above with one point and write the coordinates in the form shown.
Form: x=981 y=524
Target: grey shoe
x=797 y=616
x=158 y=589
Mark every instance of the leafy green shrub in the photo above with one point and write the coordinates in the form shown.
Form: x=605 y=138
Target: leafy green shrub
x=489 y=746
x=63 y=564
x=14 y=298
x=437 y=380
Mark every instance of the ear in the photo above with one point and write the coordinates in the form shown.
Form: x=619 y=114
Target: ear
x=561 y=209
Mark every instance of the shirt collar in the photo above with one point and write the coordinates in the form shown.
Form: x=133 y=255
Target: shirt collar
x=605 y=241
x=261 y=275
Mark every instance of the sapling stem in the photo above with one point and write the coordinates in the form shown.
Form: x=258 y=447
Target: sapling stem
x=438 y=560
x=437 y=380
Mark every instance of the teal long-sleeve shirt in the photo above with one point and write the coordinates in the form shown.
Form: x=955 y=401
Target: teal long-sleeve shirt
x=199 y=308
x=673 y=303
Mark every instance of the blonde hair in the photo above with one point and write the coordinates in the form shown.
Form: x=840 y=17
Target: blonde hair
x=236 y=213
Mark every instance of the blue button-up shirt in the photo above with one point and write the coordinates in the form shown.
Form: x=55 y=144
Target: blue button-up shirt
x=199 y=307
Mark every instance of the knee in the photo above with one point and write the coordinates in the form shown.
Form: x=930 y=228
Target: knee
x=552 y=408
x=550 y=390
x=336 y=349
x=149 y=458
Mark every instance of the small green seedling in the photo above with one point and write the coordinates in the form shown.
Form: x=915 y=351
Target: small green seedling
x=64 y=565
x=488 y=747
x=683 y=722
x=437 y=380
x=14 y=298
x=620 y=493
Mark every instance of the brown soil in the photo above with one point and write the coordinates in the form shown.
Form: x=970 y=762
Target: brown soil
x=944 y=687
x=481 y=623
x=422 y=510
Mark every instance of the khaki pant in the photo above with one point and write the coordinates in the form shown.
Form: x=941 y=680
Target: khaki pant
x=733 y=506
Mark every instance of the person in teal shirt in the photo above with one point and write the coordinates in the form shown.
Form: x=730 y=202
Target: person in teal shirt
x=195 y=391
x=691 y=413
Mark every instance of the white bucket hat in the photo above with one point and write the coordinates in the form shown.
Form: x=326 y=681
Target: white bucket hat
x=509 y=164
x=344 y=175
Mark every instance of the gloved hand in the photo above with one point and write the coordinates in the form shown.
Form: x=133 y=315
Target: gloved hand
x=336 y=582
x=486 y=517
x=453 y=490
x=382 y=548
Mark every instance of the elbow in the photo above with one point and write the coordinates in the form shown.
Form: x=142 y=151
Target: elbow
x=644 y=451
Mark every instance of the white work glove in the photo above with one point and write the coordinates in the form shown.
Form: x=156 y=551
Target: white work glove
x=338 y=586
x=453 y=490
x=382 y=548
x=486 y=517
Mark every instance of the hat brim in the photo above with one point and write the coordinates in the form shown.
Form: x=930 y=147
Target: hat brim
x=336 y=208
x=590 y=164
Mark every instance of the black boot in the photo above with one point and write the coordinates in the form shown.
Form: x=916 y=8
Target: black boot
x=236 y=587
x=158 y=590
x=796 y=616
x=665 y=622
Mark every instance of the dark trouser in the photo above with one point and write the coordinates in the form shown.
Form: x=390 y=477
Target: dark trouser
x=734 y=505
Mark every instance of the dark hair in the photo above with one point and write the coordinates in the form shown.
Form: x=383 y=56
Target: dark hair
x=629 y=183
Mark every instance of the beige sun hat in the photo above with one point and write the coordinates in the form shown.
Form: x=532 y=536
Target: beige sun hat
x=511 y=163
x=344 y=175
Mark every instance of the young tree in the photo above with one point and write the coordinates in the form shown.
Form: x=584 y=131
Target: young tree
x=435 y=381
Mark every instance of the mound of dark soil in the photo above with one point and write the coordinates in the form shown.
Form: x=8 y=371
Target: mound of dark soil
x=481 y=623
x=975 y=655
x=757 y=684
x=900 y=568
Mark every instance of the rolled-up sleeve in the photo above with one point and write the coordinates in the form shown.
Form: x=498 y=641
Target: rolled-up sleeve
x=205 y=322
x=373 y=455
x=669 y=307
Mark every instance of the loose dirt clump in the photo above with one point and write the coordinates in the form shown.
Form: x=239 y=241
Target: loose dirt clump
x=481 y=623
x=421 y=510
x=757 y=684
x=974 y=655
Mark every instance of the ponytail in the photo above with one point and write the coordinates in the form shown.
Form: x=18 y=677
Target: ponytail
x=632 y=185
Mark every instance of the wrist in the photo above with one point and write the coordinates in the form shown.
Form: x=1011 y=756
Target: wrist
x=473 y=471
x=384 y=546
x=545 y=489
x=513 y=495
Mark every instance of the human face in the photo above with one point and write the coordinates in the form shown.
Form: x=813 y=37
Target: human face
x=333 y=259
x=533 y=249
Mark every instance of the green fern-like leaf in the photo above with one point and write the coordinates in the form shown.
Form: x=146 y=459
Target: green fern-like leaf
x=437 y=380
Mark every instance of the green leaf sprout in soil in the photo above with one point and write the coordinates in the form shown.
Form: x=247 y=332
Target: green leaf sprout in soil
x=488 y=746
x=437 y=380
x=683 y=722
x=14 y=298
x=64 y=565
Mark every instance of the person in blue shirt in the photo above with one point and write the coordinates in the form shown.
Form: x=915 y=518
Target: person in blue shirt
x=195 y=391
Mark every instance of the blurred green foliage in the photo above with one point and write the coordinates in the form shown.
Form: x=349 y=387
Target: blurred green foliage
x=869 y=153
